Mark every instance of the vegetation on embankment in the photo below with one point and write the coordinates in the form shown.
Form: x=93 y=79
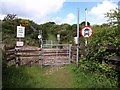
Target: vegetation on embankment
x=97 y=49
x=49 y=30
x=53 y=77
x=90 y=69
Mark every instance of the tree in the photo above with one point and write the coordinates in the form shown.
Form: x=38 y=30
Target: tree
x=66 y=26
x=10 y=17
x=73 y=30
x=113 y=17
x=9 y=24
x=44 y=31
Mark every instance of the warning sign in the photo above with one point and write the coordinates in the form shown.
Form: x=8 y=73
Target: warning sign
x=86 y=31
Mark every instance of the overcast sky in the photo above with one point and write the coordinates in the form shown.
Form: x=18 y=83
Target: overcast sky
x=59 y=11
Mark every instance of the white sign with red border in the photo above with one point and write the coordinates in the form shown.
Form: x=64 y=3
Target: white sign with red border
x=86 y=31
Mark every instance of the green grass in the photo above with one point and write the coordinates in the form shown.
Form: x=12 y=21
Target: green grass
x=87 y=79
x=35 y=77
x=51 y=77
x=22 y=77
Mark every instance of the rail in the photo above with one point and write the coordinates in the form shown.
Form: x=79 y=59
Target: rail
x=9 y=56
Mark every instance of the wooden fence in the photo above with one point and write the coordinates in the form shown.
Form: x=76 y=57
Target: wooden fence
x=114 y=60
x=28 y=56
x=13 y=56
x=74 y=53
x=9 y=55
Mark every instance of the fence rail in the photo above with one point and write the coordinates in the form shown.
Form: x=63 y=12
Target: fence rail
x=113 y=48
x=115 y=60
x=56 y=54
x=9 y=57
x=74 y=53
x=28 y=55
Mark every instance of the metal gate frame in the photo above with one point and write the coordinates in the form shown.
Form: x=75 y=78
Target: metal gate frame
x=57 y=47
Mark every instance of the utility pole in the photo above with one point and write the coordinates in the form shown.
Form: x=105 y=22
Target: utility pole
x=86 y=41
x=86 y=24
x=77 y=38
x=86 y=17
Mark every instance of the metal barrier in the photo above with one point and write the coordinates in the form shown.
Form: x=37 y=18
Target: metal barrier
x=56 y=54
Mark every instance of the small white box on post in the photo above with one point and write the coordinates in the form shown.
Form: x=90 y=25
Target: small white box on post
x=58 y=37
x=76 y=40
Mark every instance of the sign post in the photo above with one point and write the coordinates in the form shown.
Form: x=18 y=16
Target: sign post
x=86 y=24
x=77 y=42
x=86 y=31
x=41 y=46
x=20 y=34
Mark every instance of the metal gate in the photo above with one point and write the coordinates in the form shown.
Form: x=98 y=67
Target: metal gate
x=56 y=54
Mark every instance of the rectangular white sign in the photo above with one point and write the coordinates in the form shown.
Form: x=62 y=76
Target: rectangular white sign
x=20 y=31
x=19 y=43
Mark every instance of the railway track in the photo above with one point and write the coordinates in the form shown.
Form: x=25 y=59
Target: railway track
x=46 y=56
x=53 y=56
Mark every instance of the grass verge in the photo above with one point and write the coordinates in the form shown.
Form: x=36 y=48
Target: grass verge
x=68 y=76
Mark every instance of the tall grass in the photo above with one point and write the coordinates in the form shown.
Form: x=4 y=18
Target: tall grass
x=68 y=77
x=87 y=79
x=22 y=77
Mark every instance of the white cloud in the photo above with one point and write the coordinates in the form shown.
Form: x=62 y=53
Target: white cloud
x=33 y=9
x=97 y=13
x=88 y=0
x=58 y=20
x=69 y=19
